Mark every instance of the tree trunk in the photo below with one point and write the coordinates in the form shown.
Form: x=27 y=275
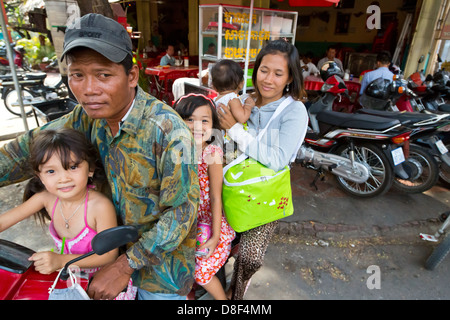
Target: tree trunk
x=95 y=6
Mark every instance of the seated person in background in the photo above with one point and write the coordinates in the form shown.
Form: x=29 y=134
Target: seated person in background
x=168 y=59
x=382 y=71
x=331 y=56
x=308 y=67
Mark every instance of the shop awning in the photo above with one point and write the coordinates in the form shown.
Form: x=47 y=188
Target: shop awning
x=312 y=3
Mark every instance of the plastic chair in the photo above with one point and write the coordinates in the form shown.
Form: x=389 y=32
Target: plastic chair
x=165 y=93
x=364 y=72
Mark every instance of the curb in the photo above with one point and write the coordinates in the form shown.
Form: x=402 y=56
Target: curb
x=331 y=231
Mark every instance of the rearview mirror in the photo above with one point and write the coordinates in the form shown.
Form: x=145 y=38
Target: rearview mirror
x=104 y=242
x=110 y=239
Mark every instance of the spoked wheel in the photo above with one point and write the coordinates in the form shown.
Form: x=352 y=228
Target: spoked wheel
x=12 y=102
x=381 y=173
x=423 y=170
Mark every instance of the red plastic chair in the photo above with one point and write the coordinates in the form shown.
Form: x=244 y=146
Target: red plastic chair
x=165 y=92
x=364 y=72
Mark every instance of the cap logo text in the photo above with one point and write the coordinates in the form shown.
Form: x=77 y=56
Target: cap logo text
x=90 y=34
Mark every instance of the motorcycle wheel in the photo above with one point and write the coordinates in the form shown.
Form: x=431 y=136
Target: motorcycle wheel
x=381 y=174
x=11 y=97
x=424 y=171
x=444 y=171
x=439 y=253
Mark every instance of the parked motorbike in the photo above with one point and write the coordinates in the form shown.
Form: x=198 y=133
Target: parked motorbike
x=20 y=281
x=33 y=89
x=19 y=58
x=374 y=142
x=431 y=92
x=426 y=149
x=443 y=237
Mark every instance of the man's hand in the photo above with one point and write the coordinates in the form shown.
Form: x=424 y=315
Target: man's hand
x=110 y=280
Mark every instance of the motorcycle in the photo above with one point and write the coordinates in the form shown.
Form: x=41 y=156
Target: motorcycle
x=19 y=58
x=431 y=92
x=34 y=90
x=374 y=142
x=443 y=248
x=426 y=149
x=20 y=281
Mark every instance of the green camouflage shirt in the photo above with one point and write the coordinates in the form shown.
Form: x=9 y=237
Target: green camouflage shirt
x=153 y=178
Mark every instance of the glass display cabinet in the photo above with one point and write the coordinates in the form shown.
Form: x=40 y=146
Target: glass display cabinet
x=224 y=32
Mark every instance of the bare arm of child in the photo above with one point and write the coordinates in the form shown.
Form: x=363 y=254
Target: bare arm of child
x=104 y=217
x=215 y=174
x=241 y=112
x=24 y=210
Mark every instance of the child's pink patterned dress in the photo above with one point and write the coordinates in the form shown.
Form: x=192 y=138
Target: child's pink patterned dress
x=205 y=269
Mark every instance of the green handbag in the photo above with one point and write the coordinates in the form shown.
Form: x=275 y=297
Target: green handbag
x=254 y=194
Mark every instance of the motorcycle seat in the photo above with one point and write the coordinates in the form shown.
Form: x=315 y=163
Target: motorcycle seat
x=404 y=117
x=14 y=257
x=356 y=121
x=35 y=75
x=444 y=107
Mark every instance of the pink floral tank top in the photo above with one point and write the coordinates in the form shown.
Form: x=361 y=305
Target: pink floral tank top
x=80 y=244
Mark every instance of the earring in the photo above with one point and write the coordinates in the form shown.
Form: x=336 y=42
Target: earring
x=287 y=87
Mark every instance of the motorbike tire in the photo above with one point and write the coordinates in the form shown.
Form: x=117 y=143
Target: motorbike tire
x=381 y=173
x=10 y=97
x=444 y=171
x=439 y=253
x=427 y=178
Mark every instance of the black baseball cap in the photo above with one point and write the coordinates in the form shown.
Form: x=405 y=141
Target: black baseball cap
x=99 y=33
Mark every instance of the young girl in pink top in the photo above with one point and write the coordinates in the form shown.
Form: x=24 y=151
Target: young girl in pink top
x=64 y=163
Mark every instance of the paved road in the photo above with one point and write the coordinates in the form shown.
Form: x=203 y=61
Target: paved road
x=335 y=246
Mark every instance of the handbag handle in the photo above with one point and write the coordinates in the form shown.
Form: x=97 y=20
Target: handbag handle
x=243 y=156
x=73 y=279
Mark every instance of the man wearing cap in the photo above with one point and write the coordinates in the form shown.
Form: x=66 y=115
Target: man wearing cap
x=147 y=153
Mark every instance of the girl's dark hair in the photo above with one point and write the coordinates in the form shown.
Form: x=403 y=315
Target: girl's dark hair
x=226 y=75
x=287 y=49
x=64 y=142
x=186 y=105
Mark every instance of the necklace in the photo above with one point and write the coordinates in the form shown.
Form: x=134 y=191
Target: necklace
x=64 y=218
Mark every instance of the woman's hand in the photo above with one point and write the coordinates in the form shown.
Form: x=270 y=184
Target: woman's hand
x=226 y=118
